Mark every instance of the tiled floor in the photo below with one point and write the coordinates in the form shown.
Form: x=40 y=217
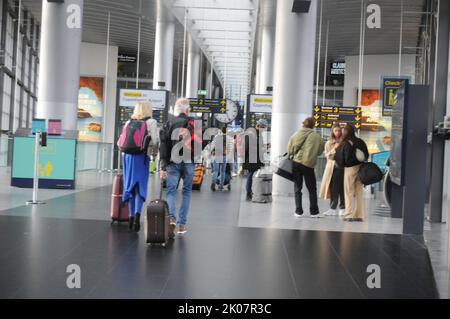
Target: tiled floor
x=216 y=258
x=280 y=214
x=14 y=197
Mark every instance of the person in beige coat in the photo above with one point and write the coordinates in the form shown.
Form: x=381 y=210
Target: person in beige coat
x=332 y=186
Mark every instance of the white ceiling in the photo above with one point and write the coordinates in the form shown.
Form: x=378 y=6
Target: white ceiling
x=225 y=29
x=225 y=32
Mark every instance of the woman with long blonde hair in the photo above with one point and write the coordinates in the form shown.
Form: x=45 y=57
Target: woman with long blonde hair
x=332 y=186
x=136 y=166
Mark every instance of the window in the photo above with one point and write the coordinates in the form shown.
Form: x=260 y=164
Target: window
x=6 y=102
x=9 y=45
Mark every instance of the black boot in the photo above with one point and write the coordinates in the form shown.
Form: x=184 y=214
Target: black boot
x=137 y=223
x=131 y=223
x=249 y=197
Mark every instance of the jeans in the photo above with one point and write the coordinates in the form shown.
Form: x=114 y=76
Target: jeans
x=337 y=189
x=249 y=184
x=302 y=172
x=219 y=171
x=174 y=172
x=135 y=203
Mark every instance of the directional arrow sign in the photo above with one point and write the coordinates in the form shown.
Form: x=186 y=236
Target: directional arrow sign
x=325 y=116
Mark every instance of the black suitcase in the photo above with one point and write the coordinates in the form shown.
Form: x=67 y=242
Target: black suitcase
x=158 y=221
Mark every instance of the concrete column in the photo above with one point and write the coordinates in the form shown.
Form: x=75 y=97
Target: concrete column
x=164 y=42
x=267 y=46
x=440 y=80
x=446 y=188
x=258 y=56
x=258 y=74
x=193 y=68
x=59 y=67
x=208 y=80
x=293 y=79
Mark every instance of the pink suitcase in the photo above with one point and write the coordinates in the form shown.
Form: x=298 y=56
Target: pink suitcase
x=119 y=212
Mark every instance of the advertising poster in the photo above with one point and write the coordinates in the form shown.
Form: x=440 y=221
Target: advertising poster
x=90 y=109
x=375 y=128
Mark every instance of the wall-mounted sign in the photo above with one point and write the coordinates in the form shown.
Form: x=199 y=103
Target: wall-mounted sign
x=337 y=68
x=202 y=92
x=326 y=116
x=129 y=98
x=126 y=58
x=260 y=103
x=389 y=91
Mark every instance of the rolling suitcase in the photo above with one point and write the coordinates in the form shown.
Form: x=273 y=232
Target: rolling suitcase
x=119 y=210
x=158 y=221
x=262 y=187
x=198 y=177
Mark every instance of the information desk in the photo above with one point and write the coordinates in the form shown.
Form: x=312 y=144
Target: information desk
x=56 y=165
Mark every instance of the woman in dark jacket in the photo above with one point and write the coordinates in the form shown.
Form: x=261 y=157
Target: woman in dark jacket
x=351 y=152
x=253 y=153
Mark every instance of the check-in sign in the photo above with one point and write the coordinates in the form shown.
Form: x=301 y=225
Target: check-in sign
x=390 y=87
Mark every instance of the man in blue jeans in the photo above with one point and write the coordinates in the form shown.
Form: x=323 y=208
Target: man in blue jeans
x=172 y=169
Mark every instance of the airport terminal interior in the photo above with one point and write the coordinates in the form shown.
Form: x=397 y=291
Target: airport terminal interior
x=74 y=72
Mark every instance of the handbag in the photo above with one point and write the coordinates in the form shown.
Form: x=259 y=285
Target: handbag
x=369 y=173
x=286 y=164
x=286 y=167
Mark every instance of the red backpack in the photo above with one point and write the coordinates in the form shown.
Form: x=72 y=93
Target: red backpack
x=134 y=138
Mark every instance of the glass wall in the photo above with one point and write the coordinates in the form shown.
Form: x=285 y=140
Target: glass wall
x=18 y=67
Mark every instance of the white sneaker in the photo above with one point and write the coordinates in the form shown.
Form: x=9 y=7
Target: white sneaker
x=330 y=212
x=341 y=212
x=316 y=216
x=298 y=215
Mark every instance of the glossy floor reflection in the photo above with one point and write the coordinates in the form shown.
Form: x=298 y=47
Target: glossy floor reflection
x=215 y=259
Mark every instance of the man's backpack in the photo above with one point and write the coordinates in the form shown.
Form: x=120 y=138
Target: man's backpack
x=135 y=138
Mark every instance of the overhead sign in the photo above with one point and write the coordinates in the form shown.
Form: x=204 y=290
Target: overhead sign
x=337 y=68
x=260 y=103
x=326 y=116
x=126 y=58
x=390 y=88
x=208 y=105
x=129 y=98
x=202 y=92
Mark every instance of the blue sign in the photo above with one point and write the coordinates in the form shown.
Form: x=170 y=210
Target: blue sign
x=38 y=125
